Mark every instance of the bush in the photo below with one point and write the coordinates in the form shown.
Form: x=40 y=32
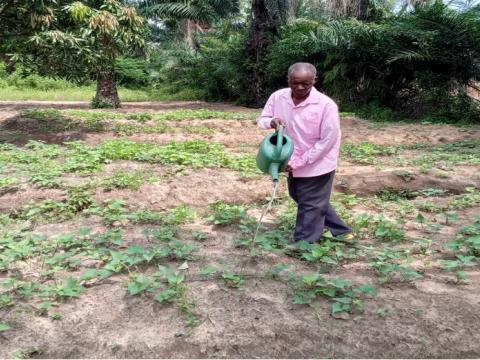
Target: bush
x=132 y=72
x=22 y=79
x=213 y=70
x=416 y=63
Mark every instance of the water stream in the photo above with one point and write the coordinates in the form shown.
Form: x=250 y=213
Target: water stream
x=266 y=209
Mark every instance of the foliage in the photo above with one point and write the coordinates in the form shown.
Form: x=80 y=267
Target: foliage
x=390 y=262
x=225 y=214
x=416 y=62
x=389 y=230
x=366 y=152
x=213 y=70
x=132 y=72
x=87 y=40
x=344 y=296
x=205 y=11
x=467 y=249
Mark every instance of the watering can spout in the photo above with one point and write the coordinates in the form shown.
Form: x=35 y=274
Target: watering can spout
x=274 y=171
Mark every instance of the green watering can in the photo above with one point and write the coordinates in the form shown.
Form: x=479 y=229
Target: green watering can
x=274 y=153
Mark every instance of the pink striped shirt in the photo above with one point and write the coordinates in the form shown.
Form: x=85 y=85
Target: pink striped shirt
x=314 y=127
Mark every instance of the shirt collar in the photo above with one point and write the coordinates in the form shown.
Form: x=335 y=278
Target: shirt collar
x=313 y=98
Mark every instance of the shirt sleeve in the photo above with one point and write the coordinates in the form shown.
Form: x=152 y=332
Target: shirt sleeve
x=329 y=133
x=265 y=119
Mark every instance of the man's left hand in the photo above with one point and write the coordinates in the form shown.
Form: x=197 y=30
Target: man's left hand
x=288 y=169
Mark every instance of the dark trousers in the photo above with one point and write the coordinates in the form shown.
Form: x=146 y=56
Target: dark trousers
x=314 y=212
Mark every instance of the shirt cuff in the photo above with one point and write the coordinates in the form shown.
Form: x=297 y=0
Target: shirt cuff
x=296 y=162
x=264 y=123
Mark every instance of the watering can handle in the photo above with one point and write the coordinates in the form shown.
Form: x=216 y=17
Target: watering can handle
x=279 y=141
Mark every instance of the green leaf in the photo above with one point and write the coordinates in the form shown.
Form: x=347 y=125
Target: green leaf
x=343 y=300
x=135 y=249
x=340 y=307
x=309 y=280
x=166 y=296
x=175 y=279
x=328 y=260
x=304 y=298
x=208 y=270
x=367 y=289
x=462 y=275
x=139 y=284
x=89 y=274
x=4 y=327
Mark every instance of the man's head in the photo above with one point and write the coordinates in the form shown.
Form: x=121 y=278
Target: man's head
x=301 y=78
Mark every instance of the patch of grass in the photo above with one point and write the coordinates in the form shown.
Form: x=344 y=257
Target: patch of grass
x=199 y=129
x=366 y=152
x=8 y=181
x=458 y=152
x=85 y=93
x=204 y=114
x=470 y=199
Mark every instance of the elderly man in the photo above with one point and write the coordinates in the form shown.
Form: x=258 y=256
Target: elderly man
x=311 y=119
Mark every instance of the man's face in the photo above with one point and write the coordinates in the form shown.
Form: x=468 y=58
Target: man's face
x=301 y=83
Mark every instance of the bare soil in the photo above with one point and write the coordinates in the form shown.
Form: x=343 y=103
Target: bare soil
x=433 y=317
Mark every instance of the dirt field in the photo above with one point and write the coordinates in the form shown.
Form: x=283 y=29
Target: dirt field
x=160 y=261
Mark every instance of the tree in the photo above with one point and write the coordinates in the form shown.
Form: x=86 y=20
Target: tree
x=75 y=40
x=266 y=18
x=194 y=15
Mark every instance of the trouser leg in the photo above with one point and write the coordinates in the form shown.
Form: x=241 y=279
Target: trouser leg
x=314 y=210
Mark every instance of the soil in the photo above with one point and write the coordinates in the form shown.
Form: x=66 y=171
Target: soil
x=433 y=317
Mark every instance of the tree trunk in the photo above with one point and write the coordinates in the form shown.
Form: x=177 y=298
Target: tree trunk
x=263 y=32
x=350 y=8
x=107 y=94
x=190 y=30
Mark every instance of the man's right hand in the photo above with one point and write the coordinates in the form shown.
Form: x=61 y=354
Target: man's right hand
x=275 y=123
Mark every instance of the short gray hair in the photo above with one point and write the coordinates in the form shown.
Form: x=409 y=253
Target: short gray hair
x=301 y=66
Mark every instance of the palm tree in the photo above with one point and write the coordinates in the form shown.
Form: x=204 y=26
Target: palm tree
x=266 y=18
x=195 y=15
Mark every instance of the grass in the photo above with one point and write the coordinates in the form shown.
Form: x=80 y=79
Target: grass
x=86 y=93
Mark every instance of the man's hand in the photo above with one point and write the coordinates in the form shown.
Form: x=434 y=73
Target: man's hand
x=275 y=123
x=288 y=169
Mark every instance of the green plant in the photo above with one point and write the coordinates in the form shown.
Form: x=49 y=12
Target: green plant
x=344 y=296
x=140 y=116
x=4 y=327
x=389 y=231
x=467 y=243
x=390 y=262
x=200 y=235
x=225 y=214
x=47 y=179
x=56 y=316
x=367 y=152
x=231 y=279
x=112 y=211
x=328 y=251
x=125 y=180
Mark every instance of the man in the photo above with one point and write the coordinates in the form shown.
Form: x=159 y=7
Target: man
x=311 y=119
